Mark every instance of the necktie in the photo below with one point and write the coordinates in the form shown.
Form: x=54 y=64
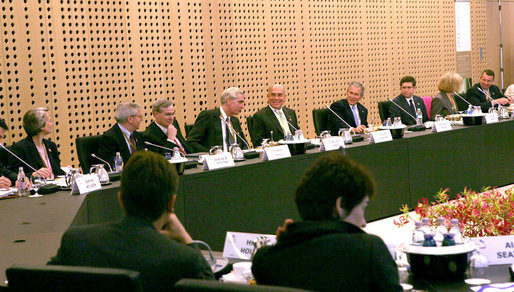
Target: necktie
x=355 y=115
x=132 y=142
x=283 y=122
x=413 y=109
x=229 y=139
x=179 y=146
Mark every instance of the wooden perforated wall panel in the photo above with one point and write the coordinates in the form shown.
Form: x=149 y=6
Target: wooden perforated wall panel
x=81 y=58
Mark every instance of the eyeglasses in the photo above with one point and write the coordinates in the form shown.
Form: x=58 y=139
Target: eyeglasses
x=139 y=116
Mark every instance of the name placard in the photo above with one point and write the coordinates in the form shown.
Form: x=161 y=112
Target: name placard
x=87 y=183
x=217 y=161
x=276 y=152
x=331 y=143
x=239 y=245
x=380 y=136
x=441 y=126
x=498 y=250
x=491 y=118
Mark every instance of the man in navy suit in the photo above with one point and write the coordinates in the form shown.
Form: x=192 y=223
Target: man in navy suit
x=409 y=102
x=275 y=117
x=485 y=94
x=350 y=110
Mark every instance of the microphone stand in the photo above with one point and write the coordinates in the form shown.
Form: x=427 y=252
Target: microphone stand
x=251 y=153
x=413 y=128
x=113 y=176
x=355 y=138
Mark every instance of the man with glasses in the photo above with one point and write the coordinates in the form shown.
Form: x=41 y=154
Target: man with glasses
x=123 y=136
x=165 y=131
x=409 y=102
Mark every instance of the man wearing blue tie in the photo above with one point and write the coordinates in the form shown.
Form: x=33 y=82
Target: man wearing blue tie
x=350 y=110
x=409 y=102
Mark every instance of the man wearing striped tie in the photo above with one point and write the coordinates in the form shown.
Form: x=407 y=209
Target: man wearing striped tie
x=164 y=130
x=485 y=94
x=350 y=110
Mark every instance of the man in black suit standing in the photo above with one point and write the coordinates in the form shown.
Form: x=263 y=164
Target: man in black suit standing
x=485 y=94
x=408 y=101
x=123 y=136
x=150 y=238
x=219 y=126
x=165 y=131
x=350 y=110
x=275 y=117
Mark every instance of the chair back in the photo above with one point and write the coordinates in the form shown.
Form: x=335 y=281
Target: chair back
x=383 y=110
x=207 y=285
x=249 y=124
x=71 y=278
x=85 y=147
x=320 y=117
x=427 y=100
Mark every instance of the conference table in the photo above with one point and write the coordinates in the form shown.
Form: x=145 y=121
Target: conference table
x=256 y=196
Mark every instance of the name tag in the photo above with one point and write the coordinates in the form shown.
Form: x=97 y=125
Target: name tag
x=380 y=136
x=217 y=161
x=276 y=152
x=239 y=245
x=87 y=183
x=441 y=126
x=498 y=250
x=331 y=143
x=491 y=118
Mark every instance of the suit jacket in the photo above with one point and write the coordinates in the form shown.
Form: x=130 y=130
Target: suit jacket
x=327 y=255
x=265 y=121
x=155 y=135
x=394 y=111
x=342 y=108
x=113 y=141
x=4 y=171
x=134 y=244
x=441 y=105
x=476 y=97
x=207 y=131
x=26 y=150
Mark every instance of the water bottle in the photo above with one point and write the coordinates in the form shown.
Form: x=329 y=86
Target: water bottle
x=22 y=187
x=118 y=162
x=448 y=239
x=469 y=111
x=440 y=231
x=455 y=230
x=429 y=240
x=425 y=222
x=419 y=117
x=417 y=236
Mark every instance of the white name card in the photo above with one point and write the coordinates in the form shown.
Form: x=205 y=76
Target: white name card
x=239 y=245
x=331 y=143
x=491 y=118
x=87 y=183
x=498 y=250
x=441 y=126
x=380 y=136
x=217 y=161
x=276 y=152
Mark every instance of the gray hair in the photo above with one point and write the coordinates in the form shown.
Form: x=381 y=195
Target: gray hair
x=356 y=84
x=125 y=110
x=34 y=120
x=231 y=93
x=277 y=85
x=160 y=103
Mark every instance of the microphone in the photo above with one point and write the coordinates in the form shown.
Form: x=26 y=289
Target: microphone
x=237 y=134
x=355 y=138
x=94 y=156
x=338 y=116
x=485 y=93
x=462 y=98
x=23 y=161
x=401 y=108
x=412 y=128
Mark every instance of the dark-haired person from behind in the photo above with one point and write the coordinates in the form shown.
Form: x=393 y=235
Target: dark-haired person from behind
x=328 y=250
x=150 y=239
x=35 y=149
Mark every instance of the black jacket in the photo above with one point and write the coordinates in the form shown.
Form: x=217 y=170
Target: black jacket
x=327 y=256
x=113 y=141
x=342 y=108
x=26 y=150
x=476 y=97
x=155 y=135
x=394 y=111
x=265 y=121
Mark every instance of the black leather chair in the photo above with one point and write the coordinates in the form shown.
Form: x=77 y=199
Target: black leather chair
x=187 y=128
x=207 y=285
x=249 y=124
x=70 y=278
x=320 y=117
x=383 y=109
x=86 y=146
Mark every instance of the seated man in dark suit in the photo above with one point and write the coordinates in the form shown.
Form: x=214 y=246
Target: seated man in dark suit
x=275 y=117
x=150 y=239
x=409 y=102
x=7 y=177
x=492 y=96
x=123 y=136
x=328 y=250
x=350 y=110
x=164 y=131
x=220 y=125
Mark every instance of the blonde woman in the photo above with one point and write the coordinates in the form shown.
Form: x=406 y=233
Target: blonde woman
x=444 y=103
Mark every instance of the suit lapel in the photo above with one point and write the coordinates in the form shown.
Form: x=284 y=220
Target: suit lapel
x=38 y=160
x=124 y=151
x=274 y=120
x=289 y=118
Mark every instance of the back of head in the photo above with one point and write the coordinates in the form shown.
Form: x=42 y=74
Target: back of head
x=148 y=183
x=34 y=119
x=329 y=177
x=449 y=82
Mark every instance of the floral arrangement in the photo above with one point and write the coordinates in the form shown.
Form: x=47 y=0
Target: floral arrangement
x=488 y=213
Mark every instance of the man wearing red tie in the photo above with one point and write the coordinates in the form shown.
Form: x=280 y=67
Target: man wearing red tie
x=165 y=131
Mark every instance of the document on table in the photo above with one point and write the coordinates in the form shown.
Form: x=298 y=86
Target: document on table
x=6 y=193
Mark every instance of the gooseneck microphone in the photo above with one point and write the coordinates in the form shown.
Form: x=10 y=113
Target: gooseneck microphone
x=94 y=156
x=462 y=98
x=338 y=116
x=237 y=134
x=485 y=93
x=23 y=161
x=401 y=108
